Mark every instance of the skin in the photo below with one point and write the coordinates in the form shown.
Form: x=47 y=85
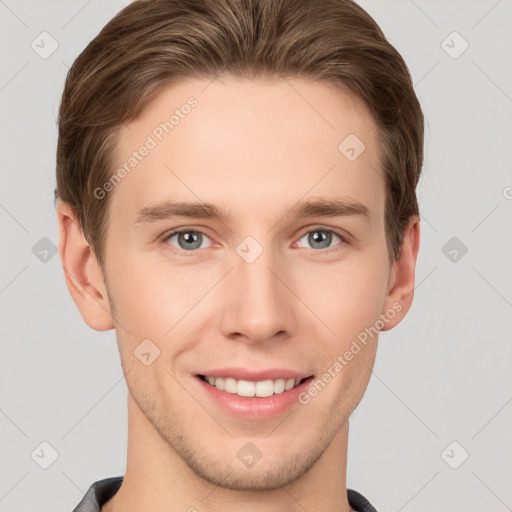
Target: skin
x=256 y=148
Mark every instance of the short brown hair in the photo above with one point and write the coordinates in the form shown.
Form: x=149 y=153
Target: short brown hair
x=151 y=44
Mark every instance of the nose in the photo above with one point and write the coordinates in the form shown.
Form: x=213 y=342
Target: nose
x=257 y=306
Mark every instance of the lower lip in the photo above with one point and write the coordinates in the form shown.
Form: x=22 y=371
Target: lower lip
x=255 y=407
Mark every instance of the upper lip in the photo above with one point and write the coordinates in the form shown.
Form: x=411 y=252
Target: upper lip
x=255 y=375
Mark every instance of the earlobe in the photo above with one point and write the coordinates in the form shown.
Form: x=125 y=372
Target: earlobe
x=82 y=272
x=402 y=277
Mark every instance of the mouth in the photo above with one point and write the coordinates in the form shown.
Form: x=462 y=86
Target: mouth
x=251 y=389
x=252 y=394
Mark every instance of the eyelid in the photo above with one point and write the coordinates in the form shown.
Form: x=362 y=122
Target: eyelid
x=184 y=229
x=319 y=227
x=345 y=238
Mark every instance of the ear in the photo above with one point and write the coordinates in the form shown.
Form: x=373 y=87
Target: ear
x=401 y=279
x=83 y=275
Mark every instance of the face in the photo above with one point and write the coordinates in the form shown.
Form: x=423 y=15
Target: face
x=255 y=289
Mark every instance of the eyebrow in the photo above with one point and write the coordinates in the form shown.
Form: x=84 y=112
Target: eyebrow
x=308 y=208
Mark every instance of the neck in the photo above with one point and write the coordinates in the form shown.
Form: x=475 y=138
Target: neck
x=158 y=479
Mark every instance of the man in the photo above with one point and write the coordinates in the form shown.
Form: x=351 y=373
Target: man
x=236 y=197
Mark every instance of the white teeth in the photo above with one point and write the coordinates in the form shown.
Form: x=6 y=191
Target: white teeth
x=279 y=386
x=245 y=388
x=289 y=384
x=229 y=385
x=262 y=388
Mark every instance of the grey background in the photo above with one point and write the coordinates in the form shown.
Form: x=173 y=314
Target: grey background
x=443 y=375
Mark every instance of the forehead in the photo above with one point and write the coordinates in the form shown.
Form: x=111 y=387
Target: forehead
x=248 y=143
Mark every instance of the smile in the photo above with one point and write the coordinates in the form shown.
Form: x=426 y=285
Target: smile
x=246 y=388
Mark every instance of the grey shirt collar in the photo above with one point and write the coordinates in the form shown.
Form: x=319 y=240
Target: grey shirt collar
x=102 y=490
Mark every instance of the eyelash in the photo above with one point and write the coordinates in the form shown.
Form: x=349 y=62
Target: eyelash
x=165 y=238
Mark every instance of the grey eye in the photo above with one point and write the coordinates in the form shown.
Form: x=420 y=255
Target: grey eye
x=187 y=240
x=320 y=238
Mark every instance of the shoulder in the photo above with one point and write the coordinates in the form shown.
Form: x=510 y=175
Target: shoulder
x=98 y=494
x=358 y=502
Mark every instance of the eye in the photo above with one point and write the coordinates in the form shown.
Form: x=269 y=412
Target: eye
x=187 y=239
x=320 y=238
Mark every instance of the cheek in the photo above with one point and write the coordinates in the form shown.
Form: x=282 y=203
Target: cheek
x=150 y=297
x=349 y=304
x=347 y=299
